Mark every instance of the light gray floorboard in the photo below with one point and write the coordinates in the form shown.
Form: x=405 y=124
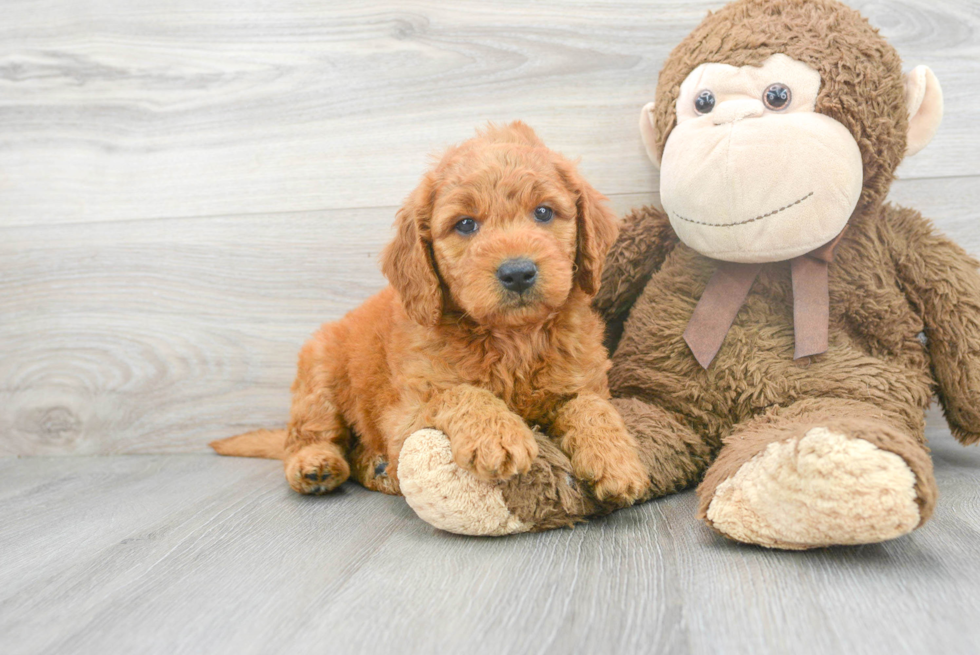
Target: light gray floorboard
x=201 y=554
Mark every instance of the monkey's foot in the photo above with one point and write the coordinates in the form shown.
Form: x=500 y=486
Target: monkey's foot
x=822 y=489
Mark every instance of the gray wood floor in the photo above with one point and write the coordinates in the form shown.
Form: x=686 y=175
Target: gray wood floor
x=189 y=187
x=199 y=554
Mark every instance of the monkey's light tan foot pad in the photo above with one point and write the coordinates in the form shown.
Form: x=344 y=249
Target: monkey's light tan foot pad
x=823 y=489
x=448 y=497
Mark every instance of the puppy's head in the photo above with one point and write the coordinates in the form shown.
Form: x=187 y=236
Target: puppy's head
x=501 y=228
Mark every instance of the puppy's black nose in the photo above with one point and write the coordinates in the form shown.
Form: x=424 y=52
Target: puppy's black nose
x=517 y=274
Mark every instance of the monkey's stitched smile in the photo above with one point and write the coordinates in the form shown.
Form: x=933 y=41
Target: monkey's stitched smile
x=751 y=220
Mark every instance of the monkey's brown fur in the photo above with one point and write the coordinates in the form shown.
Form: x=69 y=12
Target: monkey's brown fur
x=446 y=346
x=894 y=279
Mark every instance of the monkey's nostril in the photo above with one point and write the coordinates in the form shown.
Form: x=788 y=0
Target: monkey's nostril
x=517 y=274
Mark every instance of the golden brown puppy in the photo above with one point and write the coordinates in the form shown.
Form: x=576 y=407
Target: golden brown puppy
x=485 y=331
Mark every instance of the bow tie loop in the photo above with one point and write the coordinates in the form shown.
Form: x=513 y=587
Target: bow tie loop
x=729 y=287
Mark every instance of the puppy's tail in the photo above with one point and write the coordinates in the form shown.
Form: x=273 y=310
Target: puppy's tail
x=268 y=444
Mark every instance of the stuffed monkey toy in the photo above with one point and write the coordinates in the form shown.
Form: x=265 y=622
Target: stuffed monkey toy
x=783 y=328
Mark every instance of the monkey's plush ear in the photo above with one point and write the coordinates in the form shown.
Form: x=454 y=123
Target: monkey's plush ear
x=649 y=134
x=924 y=98
x=408 y=262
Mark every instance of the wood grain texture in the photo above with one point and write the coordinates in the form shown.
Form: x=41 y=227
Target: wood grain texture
x=121 y=111
x=195 y=554
x=157 y=336
x=188 y=190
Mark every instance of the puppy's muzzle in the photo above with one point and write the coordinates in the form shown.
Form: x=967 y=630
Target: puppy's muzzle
x=517 y=275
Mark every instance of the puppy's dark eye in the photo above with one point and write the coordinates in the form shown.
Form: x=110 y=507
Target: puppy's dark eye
x=543 y=214
x=777 y=97
x=466 y=226
x=705 y=102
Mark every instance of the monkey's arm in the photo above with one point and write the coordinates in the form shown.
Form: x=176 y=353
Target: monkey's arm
x=942 y=281
x=645 y=240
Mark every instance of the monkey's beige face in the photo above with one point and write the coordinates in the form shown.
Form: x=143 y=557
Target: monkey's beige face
x=751 y=173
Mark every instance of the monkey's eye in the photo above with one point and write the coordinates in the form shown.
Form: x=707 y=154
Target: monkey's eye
x=705 y=102
x=777 y=97
x=543 y=214
x=466 y=225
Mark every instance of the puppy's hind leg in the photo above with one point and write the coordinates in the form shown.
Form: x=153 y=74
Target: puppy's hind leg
x=372 y=469
x=315 y=455
x=317 y=439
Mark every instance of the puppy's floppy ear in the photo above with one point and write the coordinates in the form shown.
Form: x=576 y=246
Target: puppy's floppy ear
x=408 y=262
x=597 y=229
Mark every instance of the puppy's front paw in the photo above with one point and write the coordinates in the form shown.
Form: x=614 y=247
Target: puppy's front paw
x=616 y=474
x=316 y=469
x=501 y=451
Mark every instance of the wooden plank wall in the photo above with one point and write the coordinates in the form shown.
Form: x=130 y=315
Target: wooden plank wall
x=188 y=188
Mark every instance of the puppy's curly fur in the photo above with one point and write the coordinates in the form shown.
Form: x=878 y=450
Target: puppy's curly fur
x=448 y=346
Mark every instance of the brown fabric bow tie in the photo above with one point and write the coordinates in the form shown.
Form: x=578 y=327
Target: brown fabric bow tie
x=729 y=287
